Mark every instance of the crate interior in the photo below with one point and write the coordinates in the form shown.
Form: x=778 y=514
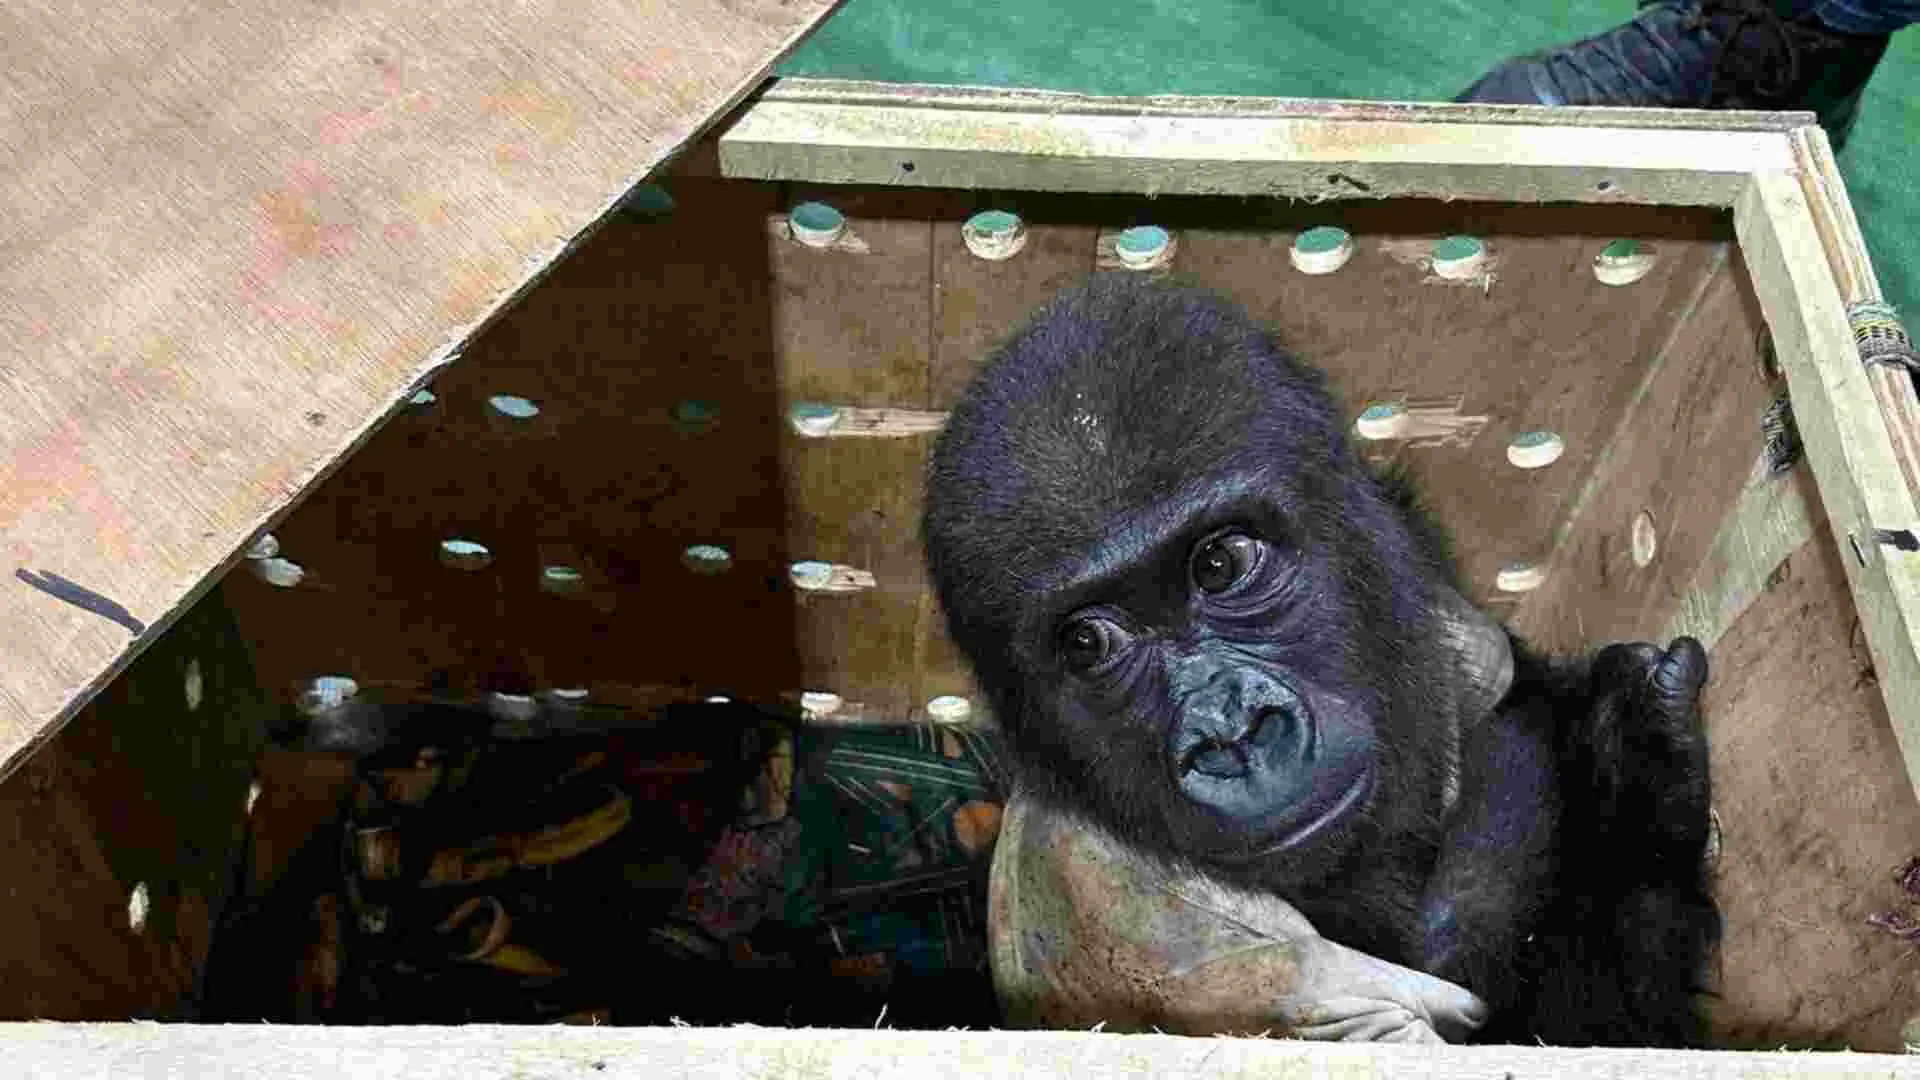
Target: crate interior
x=687 y=463
x=667 y=356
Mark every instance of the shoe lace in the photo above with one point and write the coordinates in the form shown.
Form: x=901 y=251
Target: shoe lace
x=1768 y=73
x=1766 y=66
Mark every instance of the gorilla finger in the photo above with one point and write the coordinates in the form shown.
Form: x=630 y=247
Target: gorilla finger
x=1622 y=662
x=1682 y=673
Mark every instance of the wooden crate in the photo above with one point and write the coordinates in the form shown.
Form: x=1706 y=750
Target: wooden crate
x=704 y=375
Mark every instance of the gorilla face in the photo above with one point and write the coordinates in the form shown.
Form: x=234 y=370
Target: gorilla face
x=1195 y=612
x=1202 y=668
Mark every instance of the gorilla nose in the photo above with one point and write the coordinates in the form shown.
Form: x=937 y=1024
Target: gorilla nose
x=1234 y=724
x=1229 y=758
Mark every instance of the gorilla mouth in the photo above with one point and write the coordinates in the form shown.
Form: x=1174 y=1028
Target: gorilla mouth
x=1278 y=777
x=1296 y=834
x=1356 y=794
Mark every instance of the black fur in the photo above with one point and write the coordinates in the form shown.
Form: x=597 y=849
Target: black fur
x=1099 y=448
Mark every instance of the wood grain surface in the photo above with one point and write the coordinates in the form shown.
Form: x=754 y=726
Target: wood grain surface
x=234 y=237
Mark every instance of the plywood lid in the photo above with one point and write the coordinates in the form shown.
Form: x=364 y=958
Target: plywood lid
x=233 y=238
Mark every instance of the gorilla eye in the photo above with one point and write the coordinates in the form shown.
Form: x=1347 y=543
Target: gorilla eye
x=1088 y=642
x=1225 y=561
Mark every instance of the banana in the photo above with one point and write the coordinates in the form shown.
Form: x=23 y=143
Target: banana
x=521 y=960
x=497 y=855
x=582 y=834
x=493 y=948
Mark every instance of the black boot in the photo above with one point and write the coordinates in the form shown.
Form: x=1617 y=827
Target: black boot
x=1700 y=54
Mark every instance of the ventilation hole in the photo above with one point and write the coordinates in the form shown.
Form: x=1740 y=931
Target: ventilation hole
x=817 y=703
x=516 y=708
x=707 y=559
x=137 y=908
x=465 y=554
x=949 y=709
x=277 y=572
x=195 y=686
x=1623 y=262
x=1381 y=422
x=906 y=166
x=811 y=575
x=513 y=407
x=994 y=235
x=1520 y=577
x=1535 y=449
x=648 y=202
x=1646 y=541
x=816 y=224
x=264 y=546
x=326 y=692
x=253 y=796
x=422 y=398
x=1458 y=257
x=1142 y=247
x=692 y=415
x=562 y=580
x=814 y=420
x=1603 y=186
x=1321 y=250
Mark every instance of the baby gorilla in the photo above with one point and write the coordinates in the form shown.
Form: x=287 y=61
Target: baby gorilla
x=1205 y=623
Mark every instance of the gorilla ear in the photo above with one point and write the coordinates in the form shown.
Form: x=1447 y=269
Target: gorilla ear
x=1485 y=652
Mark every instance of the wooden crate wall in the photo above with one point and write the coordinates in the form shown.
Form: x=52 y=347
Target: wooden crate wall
x=1654 y=387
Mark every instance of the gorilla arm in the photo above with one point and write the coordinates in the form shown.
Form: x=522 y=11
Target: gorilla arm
x=1087 y=930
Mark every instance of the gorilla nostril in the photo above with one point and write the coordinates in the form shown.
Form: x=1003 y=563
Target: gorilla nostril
x=1280 y=733
x=1223 y=759
x=1276 y=721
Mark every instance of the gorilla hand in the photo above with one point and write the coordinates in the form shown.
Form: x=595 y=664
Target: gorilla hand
x=1648 y=748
